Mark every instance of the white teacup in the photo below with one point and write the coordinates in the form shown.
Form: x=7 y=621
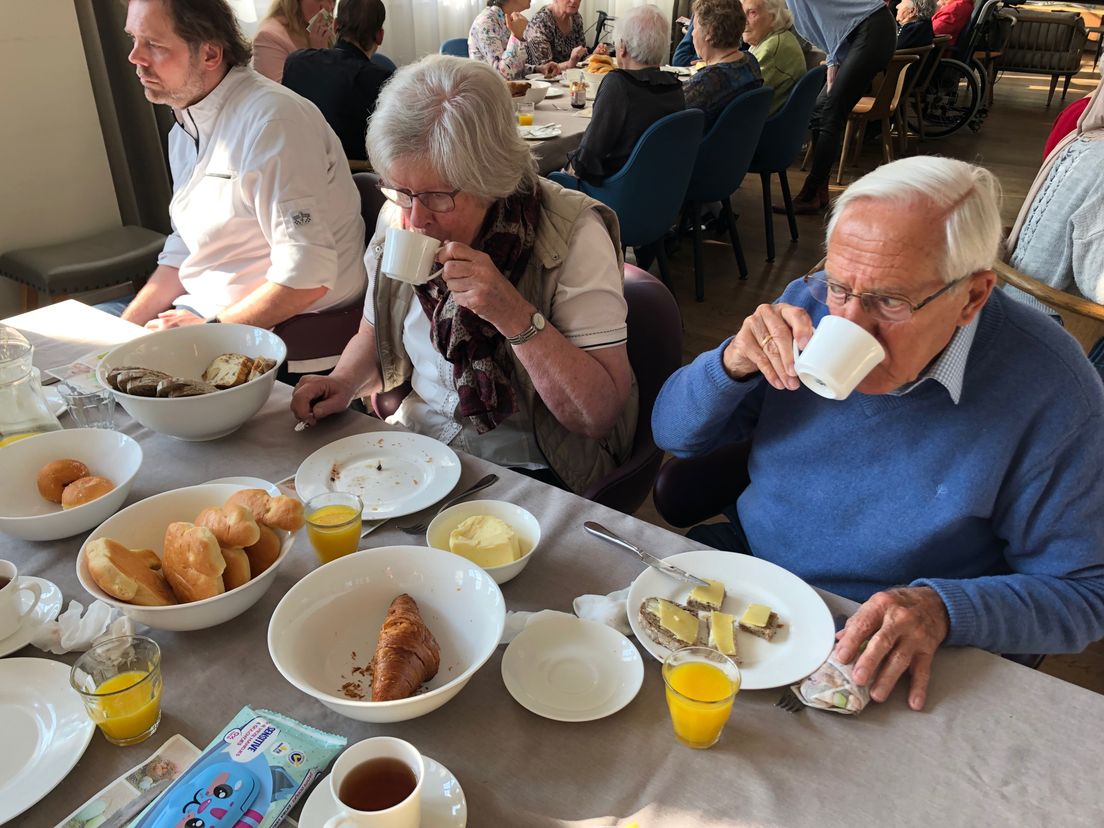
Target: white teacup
x=11 y=615
x=408 y=256
x=354 y=763
x=838 y=357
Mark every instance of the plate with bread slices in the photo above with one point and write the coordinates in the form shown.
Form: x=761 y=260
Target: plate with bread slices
x=773 y=624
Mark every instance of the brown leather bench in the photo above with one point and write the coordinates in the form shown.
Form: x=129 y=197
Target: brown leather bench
x=1045 y=43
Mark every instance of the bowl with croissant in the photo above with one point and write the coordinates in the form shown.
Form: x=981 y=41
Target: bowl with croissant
x=190 y=558
x=387 y=634
x=197 y=382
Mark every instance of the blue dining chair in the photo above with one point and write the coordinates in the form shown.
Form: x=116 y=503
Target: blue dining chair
x=780 y=144
x=721 y=165
x=648 y=191
x=383 y=60
x=455 y=46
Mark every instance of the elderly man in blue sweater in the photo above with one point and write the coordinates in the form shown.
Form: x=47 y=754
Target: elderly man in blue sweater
x=958 y=493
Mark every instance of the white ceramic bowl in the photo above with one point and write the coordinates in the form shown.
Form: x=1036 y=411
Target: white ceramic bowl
x=185 y=352
x=142 y=526
x=338 y=609
x=27 y=514
x=536 y=92
x=522 y=522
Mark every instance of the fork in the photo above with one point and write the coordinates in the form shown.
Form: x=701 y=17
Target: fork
x=420 y=527
x=789 y=701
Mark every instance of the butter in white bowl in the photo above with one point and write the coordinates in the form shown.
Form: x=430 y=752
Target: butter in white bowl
x=486 y=540
x=500 y=537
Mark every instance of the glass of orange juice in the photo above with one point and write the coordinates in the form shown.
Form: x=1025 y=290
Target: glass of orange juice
x=119 y=681
x=525 y=110
x=333 y=524
x=701 y=684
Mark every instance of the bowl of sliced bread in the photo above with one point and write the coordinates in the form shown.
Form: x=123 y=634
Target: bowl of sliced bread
x=198 y=382
x=190 y=558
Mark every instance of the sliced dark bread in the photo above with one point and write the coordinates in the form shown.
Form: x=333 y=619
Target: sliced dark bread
x=649 y=618
x=766 y=633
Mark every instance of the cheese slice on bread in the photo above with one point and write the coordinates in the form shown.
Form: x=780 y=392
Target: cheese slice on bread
x=722 y=634
x=671 y=624
x=761 y=621
x=707 y=598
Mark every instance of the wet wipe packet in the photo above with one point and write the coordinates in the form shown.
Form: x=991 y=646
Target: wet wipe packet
x=249 y=777
x=832 y=688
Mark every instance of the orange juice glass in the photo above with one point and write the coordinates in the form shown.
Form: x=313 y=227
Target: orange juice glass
x=119 y=681
x=333 y=524
x=525 y=111
x=701 y=684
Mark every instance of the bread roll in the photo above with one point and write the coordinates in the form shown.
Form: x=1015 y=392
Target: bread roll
x=232 y=525
x=131 y=575
x=280 y=512
x=237 y=570
x=193 y=562
x=264 y=552
x=261 y=365
x=56 y=475
x=228 y=370
x=85 y=490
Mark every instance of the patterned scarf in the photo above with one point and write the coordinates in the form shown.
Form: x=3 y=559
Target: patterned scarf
x=481 y=366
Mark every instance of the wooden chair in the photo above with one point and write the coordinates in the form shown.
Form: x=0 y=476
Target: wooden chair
x=1083 y=318
x=881 y=107
x=912 y=78
x=923 y=81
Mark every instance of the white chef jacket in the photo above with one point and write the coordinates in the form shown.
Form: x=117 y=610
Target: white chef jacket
x=261 y=191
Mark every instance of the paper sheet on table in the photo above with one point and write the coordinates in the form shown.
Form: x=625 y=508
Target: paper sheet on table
x=81 y=373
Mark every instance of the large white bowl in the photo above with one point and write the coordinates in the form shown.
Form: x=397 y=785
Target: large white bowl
x=338 y=609
x=185 y=352
x=536 y=92
x=521 y=521
x=27 y=514
x=142 y=526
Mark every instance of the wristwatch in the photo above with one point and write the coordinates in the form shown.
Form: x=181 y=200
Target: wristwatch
x=536 y=325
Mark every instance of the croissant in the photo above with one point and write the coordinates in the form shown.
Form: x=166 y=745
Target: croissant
x=280 y=512
x=407 y=654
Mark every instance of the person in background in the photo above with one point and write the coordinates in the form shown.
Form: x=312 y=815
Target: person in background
x=556 y=34
x=859 y=37
x=684 y=53
x=957 y=493
x=285 y=29
x=1065 y=123
x=497 y=37
x=769 y=33
x=631 y=98
x=728 y=71
x=952 y=17
x=515 y=349
x=914 y=24
x=265 y=214
x=343 y=82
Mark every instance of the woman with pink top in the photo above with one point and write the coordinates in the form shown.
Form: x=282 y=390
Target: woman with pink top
x=291 y=25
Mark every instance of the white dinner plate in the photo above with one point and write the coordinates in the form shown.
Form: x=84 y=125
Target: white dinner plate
x=54 y=401
x=555 y=92
x=571 y=670
x=803 y=643
x=45 y=731
x=443 y=803
x=537 y=76
x=395 y=473
x=46 y=610
x=540 y=132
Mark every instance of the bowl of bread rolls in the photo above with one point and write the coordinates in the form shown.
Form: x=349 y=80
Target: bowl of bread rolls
x=197 y=382
x=190 y=558
x=62 y=483
x=387 y=634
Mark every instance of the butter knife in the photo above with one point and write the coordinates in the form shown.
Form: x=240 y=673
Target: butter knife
x=600 y=531
x=131 y=809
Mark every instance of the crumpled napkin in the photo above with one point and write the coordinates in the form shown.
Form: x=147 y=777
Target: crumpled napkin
x=605 y=609
x=72 y=632
x=830 y=687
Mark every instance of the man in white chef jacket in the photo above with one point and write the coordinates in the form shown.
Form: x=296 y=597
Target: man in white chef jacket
x=265 y=213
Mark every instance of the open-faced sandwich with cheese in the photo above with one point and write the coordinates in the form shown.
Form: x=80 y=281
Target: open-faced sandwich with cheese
x=761 y=621
x=671 y=624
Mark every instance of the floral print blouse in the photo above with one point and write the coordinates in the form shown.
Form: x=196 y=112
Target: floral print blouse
x=491 y=41
x=547 y=42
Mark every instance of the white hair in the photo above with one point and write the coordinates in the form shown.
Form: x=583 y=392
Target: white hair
x=779 y=13
x=454 y=116
x=645 y=33
x=967 y=196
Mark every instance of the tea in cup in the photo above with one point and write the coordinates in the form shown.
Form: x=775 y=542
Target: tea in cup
x=377 y=783
x=837 y=358
x=11 y=614
x=408 y=256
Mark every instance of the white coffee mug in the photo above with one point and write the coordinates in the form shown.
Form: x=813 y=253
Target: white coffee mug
x=11 y=614
x=405 y=814
x=408 y=256
x=838 y=357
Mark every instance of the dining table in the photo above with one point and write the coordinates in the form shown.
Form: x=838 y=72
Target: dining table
x=996 y=744
x=551 y=153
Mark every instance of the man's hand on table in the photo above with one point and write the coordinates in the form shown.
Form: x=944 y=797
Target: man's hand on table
x=902 y=628
x=316 y=397
x=764 y=344
x=174 y=318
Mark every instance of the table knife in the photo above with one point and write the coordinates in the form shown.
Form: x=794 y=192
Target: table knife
x=131 y=809
x=600 y=531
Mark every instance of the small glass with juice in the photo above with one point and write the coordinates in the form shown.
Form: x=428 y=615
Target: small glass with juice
x=525 y=110
x=333 y=524
x=701 y=684
x=119 y=681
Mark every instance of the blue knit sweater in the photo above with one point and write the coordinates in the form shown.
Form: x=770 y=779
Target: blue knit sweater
x=997 y=503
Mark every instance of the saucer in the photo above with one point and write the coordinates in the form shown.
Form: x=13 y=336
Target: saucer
x=46 y=610
x=443 y=803
x=571 y=670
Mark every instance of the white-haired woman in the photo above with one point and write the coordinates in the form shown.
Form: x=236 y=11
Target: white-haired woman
x=497 y=37
x=515 y=349
x=632 y=97
x=769 y=32
x=284 y=30
x=914 y=23
x=556 y=33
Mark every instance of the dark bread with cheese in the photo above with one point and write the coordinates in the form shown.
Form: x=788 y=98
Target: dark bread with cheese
x=766 y=633
x=649 y=619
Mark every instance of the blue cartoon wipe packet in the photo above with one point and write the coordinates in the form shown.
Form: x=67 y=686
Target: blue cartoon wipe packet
x=249 y=777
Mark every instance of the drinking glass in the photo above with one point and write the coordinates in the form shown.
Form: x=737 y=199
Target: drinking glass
x=119 y=681
x=90 y=409
x=333 y=524
x=525 y=110
x=701 y=684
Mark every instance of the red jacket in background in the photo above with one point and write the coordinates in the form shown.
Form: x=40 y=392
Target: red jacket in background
x=1065 y=123
x=952 y=18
